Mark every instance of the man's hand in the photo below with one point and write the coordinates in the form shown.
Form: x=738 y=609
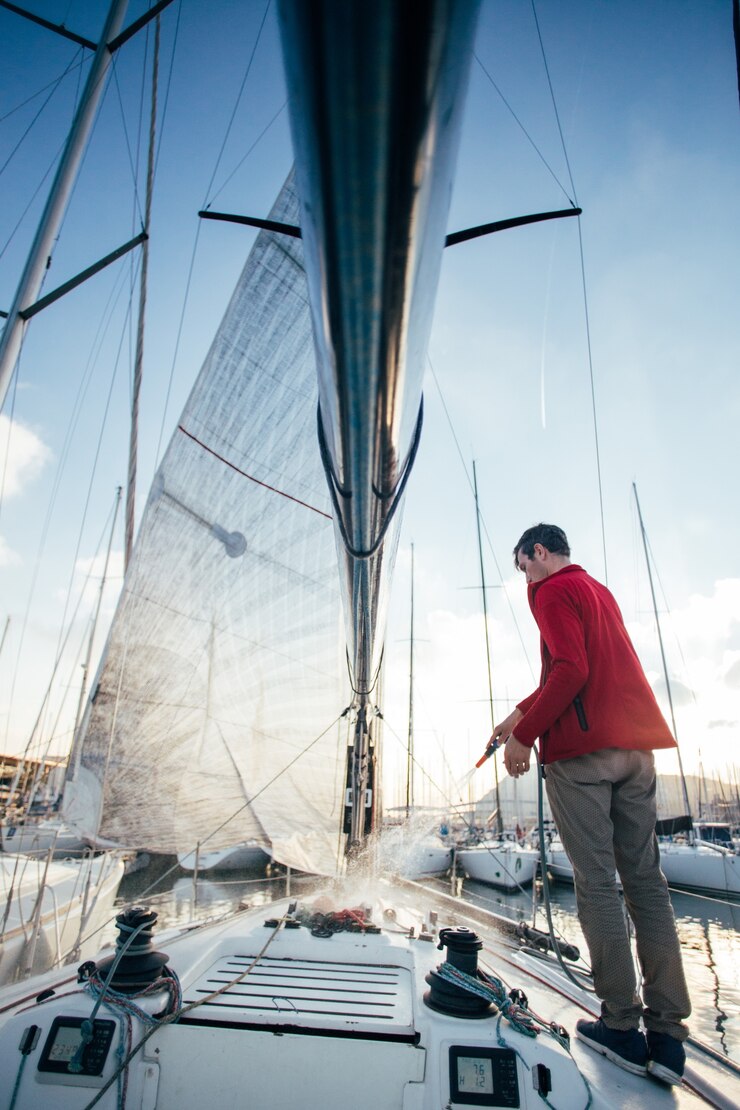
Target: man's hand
x=517 y=757
x=503 y=730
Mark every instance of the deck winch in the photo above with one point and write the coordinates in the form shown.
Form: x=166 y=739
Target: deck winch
x=463 y=946
x=137 y=963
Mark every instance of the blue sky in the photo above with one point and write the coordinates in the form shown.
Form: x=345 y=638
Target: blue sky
x=647 y=102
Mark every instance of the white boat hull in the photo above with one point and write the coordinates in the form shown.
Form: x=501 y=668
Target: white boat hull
x=687 y=866
x=701 y=867
x=69 y=908
x=559 y=866
x=240 y=857
x=37 y=839
x=506 y=866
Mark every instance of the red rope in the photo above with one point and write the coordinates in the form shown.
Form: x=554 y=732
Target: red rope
x=251 y=478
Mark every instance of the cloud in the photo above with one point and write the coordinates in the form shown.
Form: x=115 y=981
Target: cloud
x=8 y=557
x=23 y=456
x=680 y=694
x=732 y=675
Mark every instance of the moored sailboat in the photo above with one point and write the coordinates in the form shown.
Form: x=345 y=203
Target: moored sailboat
x=689 y=862
x=500 y=863
x=53 y=911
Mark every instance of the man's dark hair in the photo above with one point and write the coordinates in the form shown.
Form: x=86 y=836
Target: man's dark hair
x=551 y=537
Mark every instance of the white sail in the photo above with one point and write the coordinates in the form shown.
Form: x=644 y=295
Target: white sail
x=225 y=660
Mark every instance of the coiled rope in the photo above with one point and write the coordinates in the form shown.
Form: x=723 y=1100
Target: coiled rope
x=513 y=1007
x=168 y=982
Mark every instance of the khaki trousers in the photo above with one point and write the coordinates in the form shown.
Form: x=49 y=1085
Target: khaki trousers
x=604 y=808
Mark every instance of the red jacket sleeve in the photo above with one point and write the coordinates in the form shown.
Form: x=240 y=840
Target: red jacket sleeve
x=564 y=646
x=527 y=703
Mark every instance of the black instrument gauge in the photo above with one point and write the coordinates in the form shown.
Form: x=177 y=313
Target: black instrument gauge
x=61 y=1053
x=483 y=1076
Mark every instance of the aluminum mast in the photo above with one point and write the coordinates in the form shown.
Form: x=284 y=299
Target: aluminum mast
x=376 y=97
x=33 y=274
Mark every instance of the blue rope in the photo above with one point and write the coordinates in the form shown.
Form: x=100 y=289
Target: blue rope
x=491 y=988
x=19 y=1076
x=114 y=999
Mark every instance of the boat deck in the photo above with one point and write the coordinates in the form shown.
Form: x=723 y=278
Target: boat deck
x=282 y=1011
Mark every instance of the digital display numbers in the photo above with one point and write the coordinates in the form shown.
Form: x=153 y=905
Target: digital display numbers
x=482 y=1076
x=65 y=1044
x=474 y=1074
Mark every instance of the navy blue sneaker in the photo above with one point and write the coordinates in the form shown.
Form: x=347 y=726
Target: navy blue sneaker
x=625 y=1047
x=666 y=1057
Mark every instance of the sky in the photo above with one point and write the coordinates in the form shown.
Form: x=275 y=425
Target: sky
x=647 y=104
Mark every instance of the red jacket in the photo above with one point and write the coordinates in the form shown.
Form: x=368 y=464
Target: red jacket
x=593 y=692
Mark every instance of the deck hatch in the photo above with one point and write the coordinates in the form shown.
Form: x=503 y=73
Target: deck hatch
x=312 y=993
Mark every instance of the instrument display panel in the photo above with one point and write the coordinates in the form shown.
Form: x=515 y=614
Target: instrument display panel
x=483 y=1076
x=63 y=1043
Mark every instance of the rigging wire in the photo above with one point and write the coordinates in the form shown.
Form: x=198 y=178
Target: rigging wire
x=31 y=199
x=10 y=422
x=53 y=86
x=483 y=521
x=54 y=82
x=670 y=617
x=574 y=200
x=168 y=86
x=206 y=203
x=593 y=400
x=585 y=296
x=140 y=114
x=61 y=466
x=52 y=503
x=236 y=103
x=178 y=338
x=138 y=362
x=64 y=638
x=527 y=135
x=667 y=609
x=442 y=793
x=176 y=866
x=248 y=151
x=132 y=161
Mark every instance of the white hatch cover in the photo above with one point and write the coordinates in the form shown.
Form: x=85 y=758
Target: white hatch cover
x=312 y=994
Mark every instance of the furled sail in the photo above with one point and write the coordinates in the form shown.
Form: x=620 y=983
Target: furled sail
x=224 y=673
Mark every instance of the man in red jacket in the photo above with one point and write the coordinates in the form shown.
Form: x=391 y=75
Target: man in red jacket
x=598 y=722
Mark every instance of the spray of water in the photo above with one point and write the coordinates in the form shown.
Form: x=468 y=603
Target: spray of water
x=402 y=849
x=463 y=782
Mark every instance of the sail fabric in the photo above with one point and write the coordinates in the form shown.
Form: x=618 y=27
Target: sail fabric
x=224 y=674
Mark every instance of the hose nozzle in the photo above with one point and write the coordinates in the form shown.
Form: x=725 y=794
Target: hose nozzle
x=491 y=747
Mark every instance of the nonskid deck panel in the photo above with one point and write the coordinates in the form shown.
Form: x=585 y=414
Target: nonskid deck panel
x=310 y=993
